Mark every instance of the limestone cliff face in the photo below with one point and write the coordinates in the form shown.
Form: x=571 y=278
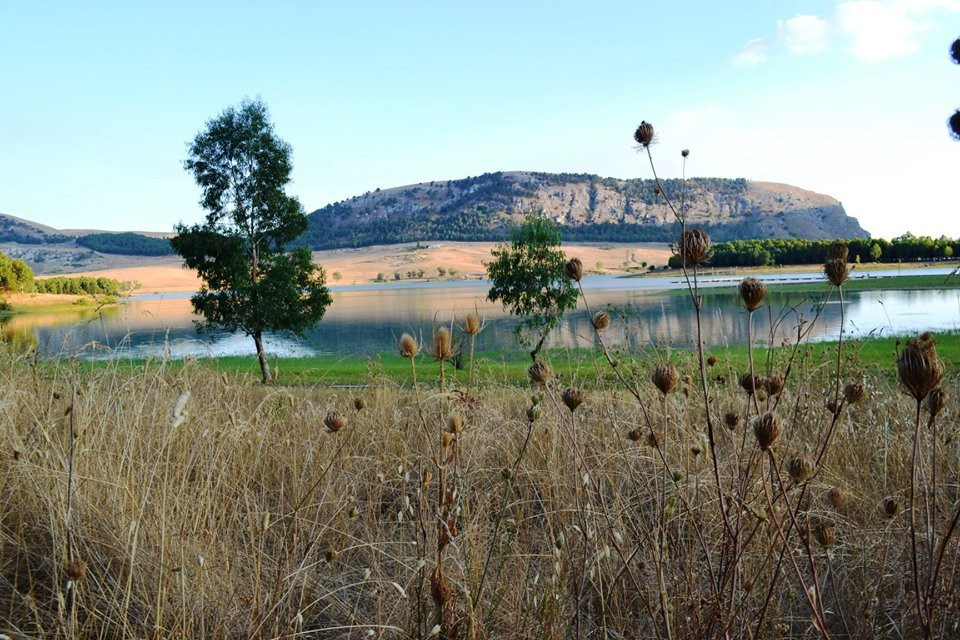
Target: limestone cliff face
x=587 y=207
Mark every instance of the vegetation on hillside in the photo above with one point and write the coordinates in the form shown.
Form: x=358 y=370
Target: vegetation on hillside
x=12 y=230
x=127 y=244
x=16 y=276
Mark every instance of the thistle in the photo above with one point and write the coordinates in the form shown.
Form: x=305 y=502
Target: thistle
x=854 y=393
x=750 y=382
x=838 y=251
x=335 y=421
x=539 y=372
x=574 y=269
x=694 y=247
x=918 y=366
x=936 y=401
x=800 y=469
x=838 y=498
x=766 y=429
x=442 y=344
x=472 y=325
x=837 y=271
x=601 y=320
x=573 y=398
x=825 y=533
x=644 y=134
x=752 y=292
x=731 y=419
x=890 y=507
x=773 y=384
x=408 y=346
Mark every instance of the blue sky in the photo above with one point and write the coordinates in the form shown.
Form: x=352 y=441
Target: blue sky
x=100 y=98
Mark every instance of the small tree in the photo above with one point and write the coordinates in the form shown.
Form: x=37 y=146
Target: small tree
x=251 y=280
x=876 y=252
x=528 y=278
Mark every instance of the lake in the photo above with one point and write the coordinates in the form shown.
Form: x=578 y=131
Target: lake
x=368 y=319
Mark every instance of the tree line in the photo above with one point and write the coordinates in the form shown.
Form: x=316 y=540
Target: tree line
x=126 y=244
x=16 y=276
x=784 y=251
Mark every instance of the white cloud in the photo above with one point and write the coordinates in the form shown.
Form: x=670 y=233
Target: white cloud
x=879 y=30
x=803 y=34
x=752 y=54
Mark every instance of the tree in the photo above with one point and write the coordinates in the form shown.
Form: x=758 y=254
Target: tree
x=253 y=280
x=528 y=278
x=876 y=252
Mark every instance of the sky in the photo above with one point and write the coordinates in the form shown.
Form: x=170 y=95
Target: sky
x=99 y=99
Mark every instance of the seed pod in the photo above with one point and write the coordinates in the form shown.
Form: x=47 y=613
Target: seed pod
x=440 y=589
x=574 y=269
x=731 y=419
x=359 y=403
x=854 y=393
x=800 y=469
x=408 y=346
x=653 y=439
x=573 y=398
x=454 y=423
x=694 y=247
x=773 y=384
x=644 y=134
x=752 y=292
x=442 y=344
x=635 y=435
x=539 y=372
x=665 y=377
x=890 y=507
x=750 y=383
x=918 y=366
x=837 y=271
x=335 y=421
x=685 y=152
x=838 y=251
x=936 y=401
x=838 y=498
x=825 y=533
x=76 y=570
x=471 y=324
x=696 y=450
x=601 y=320
x=766 y=429
x=711 y=361
x=833 y=406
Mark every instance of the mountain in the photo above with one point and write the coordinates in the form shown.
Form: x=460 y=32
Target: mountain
x=587 y=207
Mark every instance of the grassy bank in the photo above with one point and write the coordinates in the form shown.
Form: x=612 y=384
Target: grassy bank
x=584 y=366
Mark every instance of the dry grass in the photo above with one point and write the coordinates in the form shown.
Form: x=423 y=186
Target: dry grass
x=234 y=512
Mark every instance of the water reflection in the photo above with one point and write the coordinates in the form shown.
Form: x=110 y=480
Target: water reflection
x=368 y=320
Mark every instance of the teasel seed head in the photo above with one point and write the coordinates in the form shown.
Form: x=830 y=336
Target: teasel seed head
x=573 y=398
x=825 y=533
x=838 y=498
x=837 y=271
x=918 y=366
x=800 y=469
x=838 y=251
x=446 y=439
x=442 y=344
x=574 y=269
x=335 y=421
x=76 y=570
x=644 y=134
x=731 y=419
x=408 y=346
x=936 y=401
x=890 y=507
x=665 y=377
x=766 y=429
x=694 y=247
x=601 y=320
x=773 y=384
x=750 y=383
x=359 y=403
x=752 y=292
x=539 y=372
x=472 y=325
x=854 y=393
x=455 y=423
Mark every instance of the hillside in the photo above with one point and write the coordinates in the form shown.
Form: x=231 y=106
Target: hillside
x=588 y=207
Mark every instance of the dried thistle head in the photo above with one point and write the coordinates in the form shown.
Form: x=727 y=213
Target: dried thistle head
x=766 y=429
x=800 y=468
x=359 y=403
x=837 y=271
x=653 y=439
x=76 y=570
x=752 y=292
x=750 y=382
x=408 y=346
x=890 y=507
x=854 y=393
x=454 y=423
x=711 y=361
x=954 y=123
x=601 y=320
x=773 y=384
x=825 y=533
x=335 y=421
x=838 y=498
x=644 y=134
x=574 y=269
x=539 y=372
x=955 y=50
x=442 y=344
x=573 y=398
x=685 y=152
x=838 y=251
x=635 y=435
x=472 y=325
x=731 y=419
x=936 y=401
x=694 y=247
x=832 y=406
x=918 y=367
x=665 y=377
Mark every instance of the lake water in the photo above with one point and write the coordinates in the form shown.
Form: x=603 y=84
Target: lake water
x=369 y=319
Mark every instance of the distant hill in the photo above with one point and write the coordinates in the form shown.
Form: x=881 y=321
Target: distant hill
x=588 y=208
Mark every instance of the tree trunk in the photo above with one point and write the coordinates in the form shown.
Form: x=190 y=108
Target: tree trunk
x=262 y=356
